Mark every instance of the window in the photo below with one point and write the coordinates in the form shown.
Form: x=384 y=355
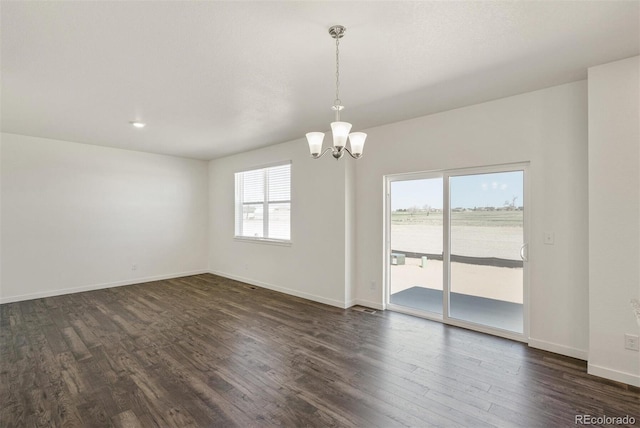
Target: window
x=263 y=203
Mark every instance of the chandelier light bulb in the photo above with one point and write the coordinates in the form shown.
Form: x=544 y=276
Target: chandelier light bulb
x=340 y=132
x=357 y=142
x=315 y=142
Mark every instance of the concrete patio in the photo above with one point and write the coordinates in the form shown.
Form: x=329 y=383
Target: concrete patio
x=486 y=295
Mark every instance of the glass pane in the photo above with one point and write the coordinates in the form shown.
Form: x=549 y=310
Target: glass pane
x=416 y=244
x=253 y=186
x=486 y=237
x=252 y=220
x=279 y=183
x=279 y=221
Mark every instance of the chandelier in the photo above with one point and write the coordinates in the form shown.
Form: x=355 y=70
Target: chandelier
x=340 y=130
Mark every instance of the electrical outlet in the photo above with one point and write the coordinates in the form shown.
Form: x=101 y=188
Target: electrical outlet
x=372 y=286
x=134 y=267
x=631 y=342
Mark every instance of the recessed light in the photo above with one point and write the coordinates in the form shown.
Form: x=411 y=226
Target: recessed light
x=138 y=124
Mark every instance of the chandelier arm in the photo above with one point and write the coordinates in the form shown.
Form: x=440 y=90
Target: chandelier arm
x=323 y=153
x=351 y=154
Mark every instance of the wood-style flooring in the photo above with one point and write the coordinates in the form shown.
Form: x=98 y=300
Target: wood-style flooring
x=211 y=352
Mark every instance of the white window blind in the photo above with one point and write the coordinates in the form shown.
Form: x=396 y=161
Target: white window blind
x=263 y=203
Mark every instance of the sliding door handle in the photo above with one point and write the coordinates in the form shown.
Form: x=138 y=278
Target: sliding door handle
x=523 y=256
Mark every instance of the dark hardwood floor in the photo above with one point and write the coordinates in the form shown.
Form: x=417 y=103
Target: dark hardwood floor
x=207 y=351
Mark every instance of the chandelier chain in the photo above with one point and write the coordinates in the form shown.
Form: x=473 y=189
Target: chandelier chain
x=337 y=101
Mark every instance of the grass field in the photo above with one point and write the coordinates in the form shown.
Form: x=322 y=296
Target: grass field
x=464 y=218
x=473 y=233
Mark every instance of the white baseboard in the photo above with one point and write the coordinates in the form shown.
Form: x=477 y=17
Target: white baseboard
x=92 y=287
x=618 y=376
x=558 y=349
x=290 y=291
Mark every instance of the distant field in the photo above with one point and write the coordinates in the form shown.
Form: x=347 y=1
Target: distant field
x=465 y=218
x=473 y=233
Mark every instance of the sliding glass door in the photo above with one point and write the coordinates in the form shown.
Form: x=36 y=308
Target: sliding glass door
x=415 y=261
x=486 y=238
x=456 y=247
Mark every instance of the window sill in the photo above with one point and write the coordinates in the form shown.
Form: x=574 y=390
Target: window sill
x=267 y=241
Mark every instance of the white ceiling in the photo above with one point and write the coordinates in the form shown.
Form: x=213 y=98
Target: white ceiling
x=216 y=78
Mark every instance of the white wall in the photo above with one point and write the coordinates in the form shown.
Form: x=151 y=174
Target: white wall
x=614 y=217
x=77 y=216
x=313 y=266
x=350 y=233
x=547 y=128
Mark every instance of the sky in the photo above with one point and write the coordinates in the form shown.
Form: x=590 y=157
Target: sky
x=467 y=191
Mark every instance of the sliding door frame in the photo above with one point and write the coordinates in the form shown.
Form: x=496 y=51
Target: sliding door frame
x=446 y=271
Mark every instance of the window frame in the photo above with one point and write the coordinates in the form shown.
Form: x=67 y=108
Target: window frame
x=239 y=205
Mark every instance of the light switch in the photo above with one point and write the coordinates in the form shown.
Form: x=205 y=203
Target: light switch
x=549 y=238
